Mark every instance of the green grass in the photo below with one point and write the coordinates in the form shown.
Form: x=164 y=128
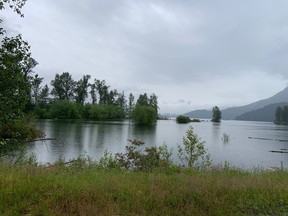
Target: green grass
x=87 y=190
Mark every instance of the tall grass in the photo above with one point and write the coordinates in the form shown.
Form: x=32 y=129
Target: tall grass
x=84 y=188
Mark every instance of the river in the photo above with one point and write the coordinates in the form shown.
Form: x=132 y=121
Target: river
x=248 y=144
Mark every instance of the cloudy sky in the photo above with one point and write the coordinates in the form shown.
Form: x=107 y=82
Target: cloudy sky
x=191 y=54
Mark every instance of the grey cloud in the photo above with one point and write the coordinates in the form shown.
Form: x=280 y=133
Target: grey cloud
x=166 y=46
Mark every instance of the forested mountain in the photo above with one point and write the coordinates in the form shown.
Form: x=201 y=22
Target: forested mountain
x=205 y=114
x=266 y=113
x=233 y=112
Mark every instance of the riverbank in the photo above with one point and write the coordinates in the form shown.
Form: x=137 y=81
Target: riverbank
x=81 y=188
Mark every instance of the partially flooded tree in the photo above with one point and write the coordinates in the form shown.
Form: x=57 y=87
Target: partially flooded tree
x=216 y=114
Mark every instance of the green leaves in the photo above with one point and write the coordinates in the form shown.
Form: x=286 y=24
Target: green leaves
x=15 y=60
x=217 y=115
x=192 y=150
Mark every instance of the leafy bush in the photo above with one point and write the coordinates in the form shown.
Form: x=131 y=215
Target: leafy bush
x=19 y=130
x=151 y=158
x=183 y=119
x=144 y=115
x=192 y=150
x=64 y=109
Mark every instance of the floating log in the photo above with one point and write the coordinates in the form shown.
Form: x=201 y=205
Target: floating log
x=279 y=151
x=43 y=139
x=260 y=138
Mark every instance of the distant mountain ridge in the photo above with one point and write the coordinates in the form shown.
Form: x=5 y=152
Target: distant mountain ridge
x=266 y=113
x=232 y=112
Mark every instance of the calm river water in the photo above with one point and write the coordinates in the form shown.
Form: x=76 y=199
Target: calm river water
x=249 y=143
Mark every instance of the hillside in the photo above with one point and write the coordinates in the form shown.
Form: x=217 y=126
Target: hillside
x=266 y=113
x=205 y=114
x=233 y=112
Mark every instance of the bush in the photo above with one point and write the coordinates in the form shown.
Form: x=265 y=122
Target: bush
x=144 y=115
x=192 y=150
x=64 y=109
x=19 y=130
x=146 y=161
x=183 y=119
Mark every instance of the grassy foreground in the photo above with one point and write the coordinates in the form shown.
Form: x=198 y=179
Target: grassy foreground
x=77 y=189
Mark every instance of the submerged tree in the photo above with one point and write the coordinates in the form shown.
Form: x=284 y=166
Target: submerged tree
x=216 y=114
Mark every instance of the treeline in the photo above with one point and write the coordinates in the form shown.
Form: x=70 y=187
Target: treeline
x=68 y=99
x=281 y=115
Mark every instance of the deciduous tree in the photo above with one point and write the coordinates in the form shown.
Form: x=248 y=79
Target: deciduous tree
x=63 y=86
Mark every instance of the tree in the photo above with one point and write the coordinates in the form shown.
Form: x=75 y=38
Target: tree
x=121 y=101
x=143 y=100
x=216 y=114
x=81 y=89
x=144 y=115
x=183 y=119
x=93 y=93
x=130 y=105
x=15 y=65
x=63 y=86
x=102 y=90
x=278 y=115
x=153 y=102
x=36 y=89
x=193 y=149
x=43 y=96
x=15 y=5
x=14 y=57
x=285 y=114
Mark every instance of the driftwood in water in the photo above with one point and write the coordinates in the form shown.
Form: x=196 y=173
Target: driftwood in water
x=279 y=151
x=43 y=139
x=260 y=138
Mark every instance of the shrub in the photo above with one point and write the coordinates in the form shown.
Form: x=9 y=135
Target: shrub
x=192 y=150
x=64 y=109
x=19 y=130
x=151 y=158
x=144 y=115
x=183 y=119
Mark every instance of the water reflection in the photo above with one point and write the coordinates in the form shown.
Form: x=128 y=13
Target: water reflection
x=75 y=138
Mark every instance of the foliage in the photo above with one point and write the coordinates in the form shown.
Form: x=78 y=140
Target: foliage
x=81 y=89
x=130 y=105
x=183 y=119
x=14 y=58
x=144 y=115
x=14 y=132
x=103 y=112
x=64 y=109
x=281 y=115
x=150 y=159
x=15 y=5
x=82 y=188
x=217 y=115
x=63 y=86
x=192 y=150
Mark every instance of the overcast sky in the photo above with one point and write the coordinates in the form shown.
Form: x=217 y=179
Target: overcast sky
x=191 y=54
